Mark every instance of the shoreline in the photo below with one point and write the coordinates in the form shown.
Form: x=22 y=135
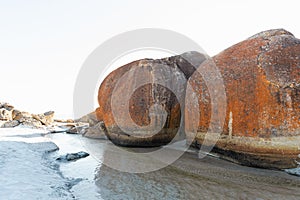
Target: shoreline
x=88 y=178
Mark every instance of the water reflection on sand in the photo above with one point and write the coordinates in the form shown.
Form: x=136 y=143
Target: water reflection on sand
x=187 y=178
x=192 y=178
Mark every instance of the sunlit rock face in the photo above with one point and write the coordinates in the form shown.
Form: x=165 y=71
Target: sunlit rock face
x=261 y=76
x=141 y=102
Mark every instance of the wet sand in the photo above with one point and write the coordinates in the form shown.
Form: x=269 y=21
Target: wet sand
x=187 y=178
x=192 y=178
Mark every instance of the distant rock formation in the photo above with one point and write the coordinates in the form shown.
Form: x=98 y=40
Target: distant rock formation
x=262 y=82
x=6 y=111
x=88 y=125
x=11 y=117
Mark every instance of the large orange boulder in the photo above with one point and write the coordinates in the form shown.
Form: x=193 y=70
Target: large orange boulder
x=141 y=102
x=261 y=78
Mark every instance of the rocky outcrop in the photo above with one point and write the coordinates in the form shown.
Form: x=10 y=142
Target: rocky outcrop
x=78 y=128
x=96 y=132
x=90 y=119
x=140 y=103
x=88 y=126
x=18 y=115
x=12 y=117
x=262 y=84
x=10 y=124
x=6 y=111
x=45 y=118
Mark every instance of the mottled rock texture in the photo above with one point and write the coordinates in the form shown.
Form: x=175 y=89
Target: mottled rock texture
x=147 y=96
x=96 y=132
x=6 y=111
x=46 y=118
x=13 y=118
x=90 y=118
x=10 y=124
x=262 y=84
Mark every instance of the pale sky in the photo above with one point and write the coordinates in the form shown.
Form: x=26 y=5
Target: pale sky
x=43 y=43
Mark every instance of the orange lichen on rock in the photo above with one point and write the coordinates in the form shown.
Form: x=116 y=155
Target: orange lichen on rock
x=261 y=76
x=140 y=103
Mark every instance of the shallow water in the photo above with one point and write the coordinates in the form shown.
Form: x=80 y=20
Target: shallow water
x=187 y=178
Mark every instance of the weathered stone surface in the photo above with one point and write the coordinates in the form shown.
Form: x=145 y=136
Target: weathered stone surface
x=5 y=114
x=20 y=115
x=93 y=128
x=99 y=114
x=26 y=119
x=6 y=111
x=96 y=132
x=145 y=100
x=30 y=122
x=73 y=130
x=46 y=118
x=6 y=106
x=64 y=120
x=79 y=128
x=10 y=124
x=73 y=156
x=15 y=118
x=262 y=84
x=90 y=118
x=15 y=113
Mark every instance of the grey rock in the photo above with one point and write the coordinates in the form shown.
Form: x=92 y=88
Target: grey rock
x=46 y=118
x=5 y=114
x=78 y=129
x=73 y=156
x=30 y=122
x=6 y=106
x=96 y=132
x=90 y=118
x=10 y=124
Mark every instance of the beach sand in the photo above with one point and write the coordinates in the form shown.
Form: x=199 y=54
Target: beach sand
x=29 y=171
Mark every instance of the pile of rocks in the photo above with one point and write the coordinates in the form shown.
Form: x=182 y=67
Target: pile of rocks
x=11 y=117
x=88 y=125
